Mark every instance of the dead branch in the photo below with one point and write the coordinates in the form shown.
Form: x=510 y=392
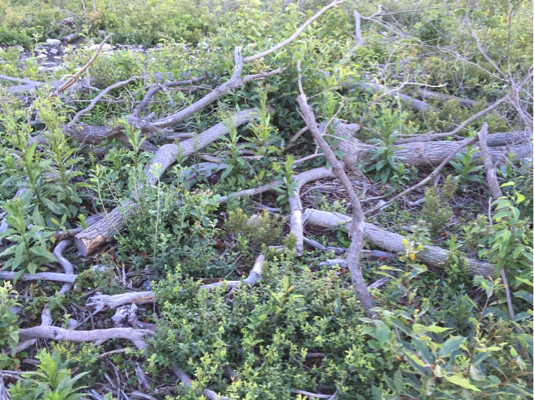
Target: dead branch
x=491 y=175
x=443 y=97
x=496 y=193
x=434 y=136
x=295 y=203
x=312 y=395
x=59 y=334
x=296 y=33
x=429 y=177
x=416 y=104
x=91 y=238
x=187 y=383
x=67 y=266
x=235 y=81
x=357 y=227
x=251 y=192
x=46 y=320
x=392 y=242
x=48 y=276
x=97 y=98
x=73 y=78
x=253 y=277
x=105 y=302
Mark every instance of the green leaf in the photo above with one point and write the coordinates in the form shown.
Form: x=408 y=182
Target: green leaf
x=436 y=329
x=38 y=250
x=462 y=382
x=382 y=332
x=451 y=345
x=527 y=296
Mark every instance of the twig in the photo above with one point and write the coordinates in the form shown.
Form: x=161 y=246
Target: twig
x=67 y=266
x=100 y=96
x=312 y=395
x=73 y=78
x=491 y=178
x=295 y=34
x=47 y=276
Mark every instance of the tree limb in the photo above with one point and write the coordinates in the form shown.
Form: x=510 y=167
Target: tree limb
x=357 y=226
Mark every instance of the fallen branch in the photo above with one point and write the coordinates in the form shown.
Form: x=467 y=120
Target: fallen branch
x=48 y=276
x=73 y=78
x=496 y=193
x=100 y=96
x=295 y=203
x=105 y=302
x=253 y=277
x=46 y=320
x=59 y=334
x=357 y=226
x=67 y=266
x=434 y=136
x=251 y=192
x=312 y=395
x=91 y=238
x=392 y=242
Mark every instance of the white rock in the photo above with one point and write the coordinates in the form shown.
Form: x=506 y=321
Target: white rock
x=53 y=42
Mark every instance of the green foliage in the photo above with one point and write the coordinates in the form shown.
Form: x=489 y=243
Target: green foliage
x=383 y=164
x=9 y=331
x=265 y=334
x=172 y=225
x=51 y=381
x=510 y=242
x=465 y=168
x=253 y=232
x=436 y=212
x=29 y=250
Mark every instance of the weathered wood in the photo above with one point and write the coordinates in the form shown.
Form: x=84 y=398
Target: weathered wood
x=60 y=334
x=93 y=237
x=392 y=242
x=430 y=153
x=357 y=225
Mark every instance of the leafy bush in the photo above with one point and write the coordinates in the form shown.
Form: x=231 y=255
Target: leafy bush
x=51 y=381
x=436 y=213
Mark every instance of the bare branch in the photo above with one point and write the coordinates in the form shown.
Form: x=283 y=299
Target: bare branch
x=295 y=34
x=100 y=96
x=357 y=226
x=60 y=334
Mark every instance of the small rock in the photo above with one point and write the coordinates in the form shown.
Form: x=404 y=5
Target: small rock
x=41 y=56
x=101 y=33
x=106 y=48
x=54 y=51
x=53 y=42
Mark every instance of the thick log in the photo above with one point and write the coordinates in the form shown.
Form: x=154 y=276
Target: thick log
x=93 y=237
x=392 y=242
x=431 y=153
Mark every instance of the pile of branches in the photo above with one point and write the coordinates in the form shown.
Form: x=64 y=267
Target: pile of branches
x=422 y=150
